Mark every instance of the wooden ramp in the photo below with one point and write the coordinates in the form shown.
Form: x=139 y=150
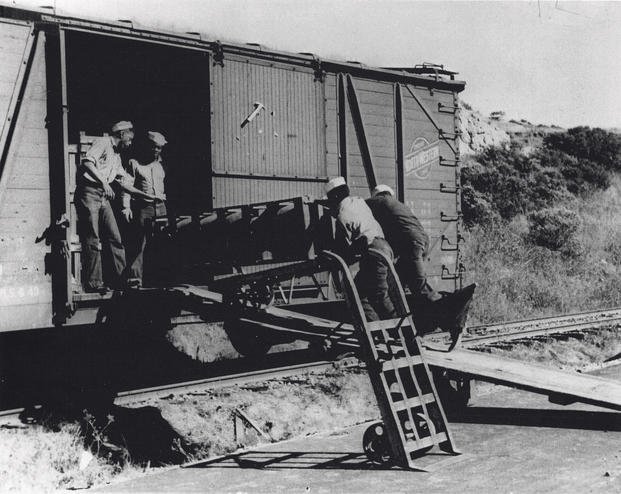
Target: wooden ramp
x=562 y=387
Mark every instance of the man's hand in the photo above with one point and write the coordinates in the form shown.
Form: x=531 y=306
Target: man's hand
x=127 y=214
x=108 y=192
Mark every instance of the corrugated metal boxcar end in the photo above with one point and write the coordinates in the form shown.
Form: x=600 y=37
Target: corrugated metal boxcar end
x=246 y=126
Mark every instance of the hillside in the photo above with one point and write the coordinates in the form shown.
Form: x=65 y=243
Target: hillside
x=479 y=131
x=542 y=207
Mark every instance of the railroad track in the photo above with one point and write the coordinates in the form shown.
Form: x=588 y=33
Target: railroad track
x=533 y=328
x=478 y=336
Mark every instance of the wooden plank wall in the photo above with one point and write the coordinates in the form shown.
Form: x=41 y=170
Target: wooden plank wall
x=422 y=186
x=13 y=43
x=423 y=176
x=285 y=140
x=25 y=289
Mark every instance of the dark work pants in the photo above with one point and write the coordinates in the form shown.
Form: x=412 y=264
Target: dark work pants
x=372 y=282
x=144 y=216
x=411 y=270
x=98 y=229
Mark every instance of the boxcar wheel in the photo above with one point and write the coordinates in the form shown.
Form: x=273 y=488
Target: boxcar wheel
x=375 y=444
x=245 y=339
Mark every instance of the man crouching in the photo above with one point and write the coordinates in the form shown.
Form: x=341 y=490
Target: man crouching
x=360 y=231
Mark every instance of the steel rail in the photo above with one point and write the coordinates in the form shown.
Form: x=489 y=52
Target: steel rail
x=133 y=396
x=534 y=333
x=610 y=314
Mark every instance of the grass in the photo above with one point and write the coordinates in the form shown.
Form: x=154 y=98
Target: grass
x=35 y=459
x=520 y=280
x=284 y=408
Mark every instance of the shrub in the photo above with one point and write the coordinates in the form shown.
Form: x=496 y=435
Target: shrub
x=596 y=145
x=476 y=210
x=553 y=228
x=510 y=182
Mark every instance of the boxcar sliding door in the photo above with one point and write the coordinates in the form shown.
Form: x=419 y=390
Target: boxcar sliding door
x=25 y=288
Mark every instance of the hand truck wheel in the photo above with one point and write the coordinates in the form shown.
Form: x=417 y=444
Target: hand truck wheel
x=375 y=444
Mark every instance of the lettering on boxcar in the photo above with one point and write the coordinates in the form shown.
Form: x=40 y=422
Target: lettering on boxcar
x=421 y=157
x=422 y=209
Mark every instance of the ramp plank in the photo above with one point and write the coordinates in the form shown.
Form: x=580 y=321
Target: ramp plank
x=531 y=377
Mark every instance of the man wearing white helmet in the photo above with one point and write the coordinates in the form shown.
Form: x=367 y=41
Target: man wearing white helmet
x=148 y=175
x=100 y=167
x=410 y=243
x=356 y=225
x=406 y=236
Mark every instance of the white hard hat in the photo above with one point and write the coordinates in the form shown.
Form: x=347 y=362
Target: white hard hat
x=156 y=138
x=334 y=183
x=382 y=188
x=122 y=125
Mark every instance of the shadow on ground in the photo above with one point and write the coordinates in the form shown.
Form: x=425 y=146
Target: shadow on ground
x=530 y=417
x=317 y=460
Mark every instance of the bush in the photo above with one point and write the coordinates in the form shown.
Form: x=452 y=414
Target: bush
x=596 y=145
x=510 y=183
x=476 y=210
x=553 y=228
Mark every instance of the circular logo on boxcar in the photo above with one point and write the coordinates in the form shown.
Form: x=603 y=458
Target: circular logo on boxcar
x=421 y=157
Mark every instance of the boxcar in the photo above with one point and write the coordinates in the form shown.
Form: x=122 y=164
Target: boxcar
x=64 y=80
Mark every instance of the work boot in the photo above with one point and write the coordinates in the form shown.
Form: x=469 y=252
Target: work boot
x=455 y=313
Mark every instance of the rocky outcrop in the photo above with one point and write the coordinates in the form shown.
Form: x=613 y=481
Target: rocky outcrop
x=478 y=132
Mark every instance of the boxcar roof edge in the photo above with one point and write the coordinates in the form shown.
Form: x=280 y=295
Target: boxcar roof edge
x=250 y=50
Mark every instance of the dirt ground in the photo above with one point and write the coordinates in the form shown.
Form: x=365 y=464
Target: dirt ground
x=511 y=441
x=200 y=425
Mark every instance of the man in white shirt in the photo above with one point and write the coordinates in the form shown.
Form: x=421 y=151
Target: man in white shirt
x=99 y=168
x=356 y=225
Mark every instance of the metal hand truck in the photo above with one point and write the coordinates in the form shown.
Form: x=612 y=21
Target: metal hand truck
x=413 y=420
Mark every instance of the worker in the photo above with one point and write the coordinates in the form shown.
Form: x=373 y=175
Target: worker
x=362 y=234
x=410 y=243
x=407 y=238
x=148 y=174
x=100 y=167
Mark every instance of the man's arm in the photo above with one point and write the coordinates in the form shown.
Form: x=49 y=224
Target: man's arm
x=130 y=189
x=89 y=162
x=126 y=181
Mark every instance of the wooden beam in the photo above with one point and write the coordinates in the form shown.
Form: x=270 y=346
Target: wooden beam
x=365 y=152
x=342 y=120
x=399 y=142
